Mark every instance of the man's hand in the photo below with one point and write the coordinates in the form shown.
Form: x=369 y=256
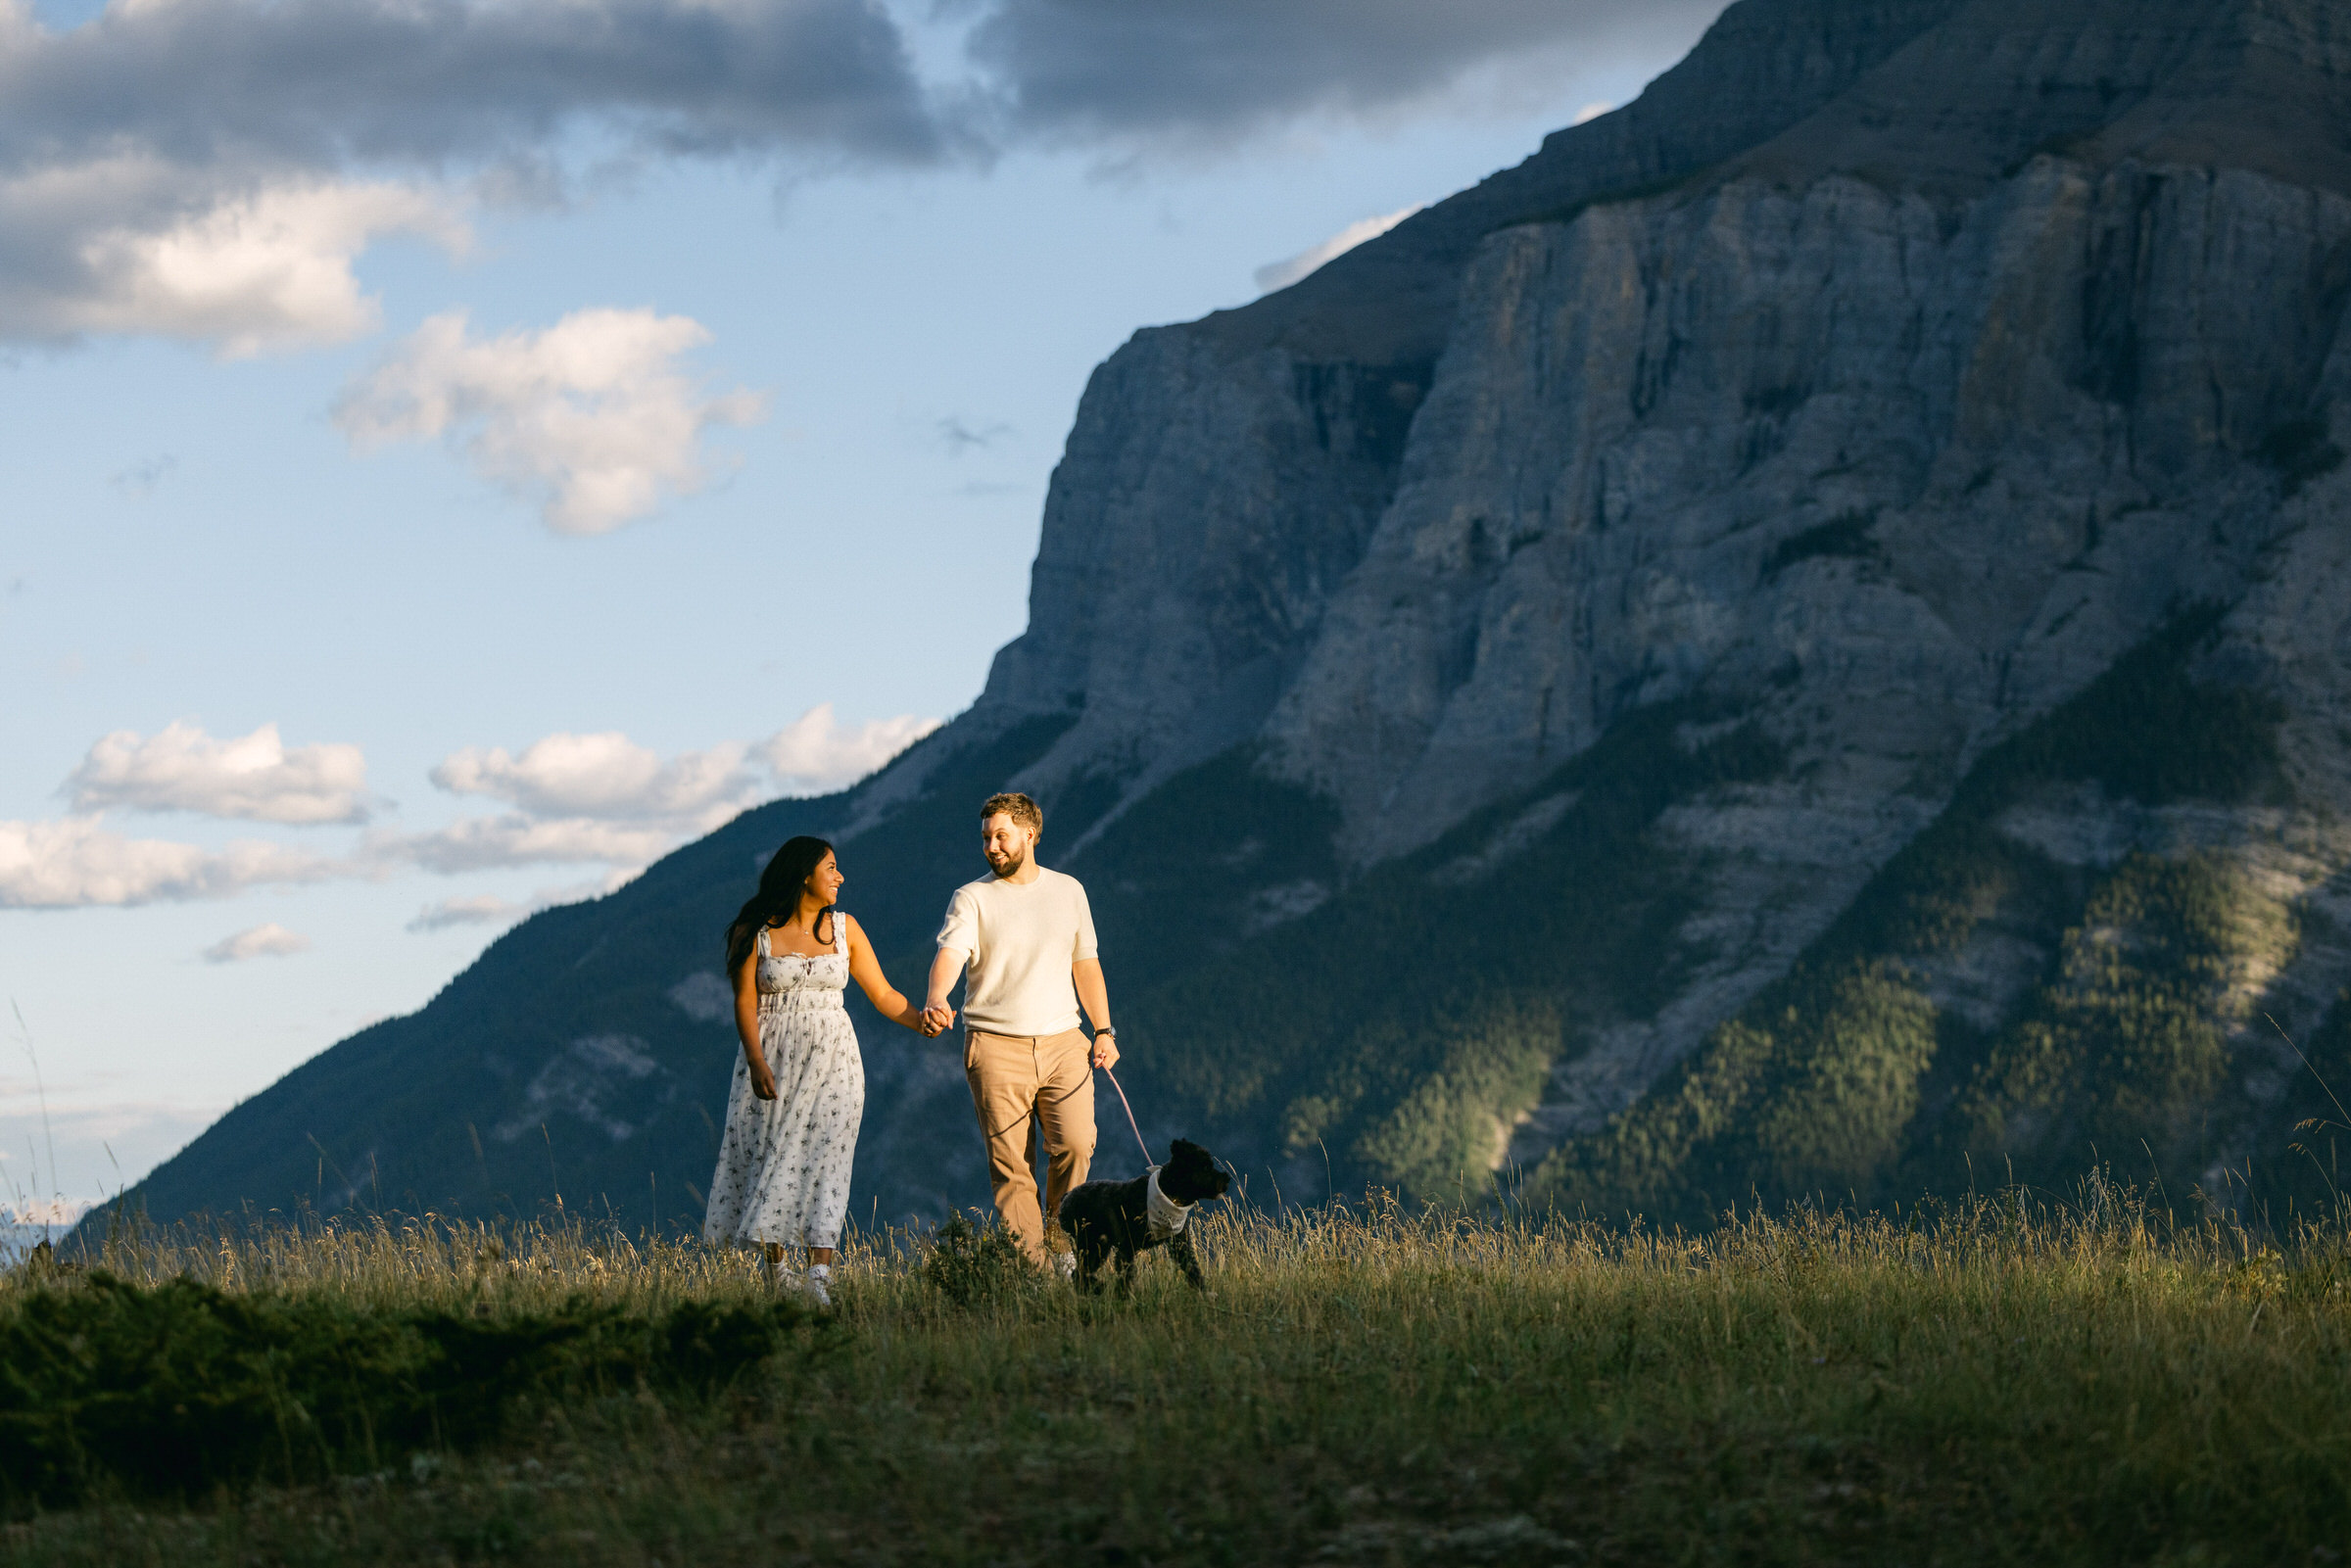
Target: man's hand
x=946 y=967
x=1094 y=996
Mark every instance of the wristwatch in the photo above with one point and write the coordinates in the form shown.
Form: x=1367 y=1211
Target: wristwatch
x=1098 y=1033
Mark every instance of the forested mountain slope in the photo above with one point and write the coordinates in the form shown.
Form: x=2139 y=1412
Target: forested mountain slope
x=1794 y=643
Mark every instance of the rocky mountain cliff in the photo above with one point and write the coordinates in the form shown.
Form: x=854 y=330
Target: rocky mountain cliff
x=1791 y=642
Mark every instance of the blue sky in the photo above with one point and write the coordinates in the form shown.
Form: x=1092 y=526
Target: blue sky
x=750 y=409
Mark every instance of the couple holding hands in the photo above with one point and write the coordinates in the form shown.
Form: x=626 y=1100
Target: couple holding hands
x=1026 y=937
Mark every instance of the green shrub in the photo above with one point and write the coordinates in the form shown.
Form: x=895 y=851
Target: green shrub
x=182 y=1388
x=1393 y=1027
x=1812 y=1092
x=2001 y=1379
x=1838 y=1078
x=2302 y=1169
x=2145 y=731
x=1844 y=537
x=2125 y=1048
x=972 y=1265
x=2301 y=452
x=1446 y=1135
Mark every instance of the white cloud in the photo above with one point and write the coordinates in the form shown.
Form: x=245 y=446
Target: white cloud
x=960 y=436
x=50 y=1213
x=603 y=775
x=604 y=798
x=142 y=477
x=106 y=1132
x=180 y=768
x=210 y=169
x=593 y=415
x=1208 y=72
x=607 y=777
x=266 y=941
x=816 y=753
x=595 y=799
x=76 y=862
x=704 y=996
x=481 y=909
x=437 y=83
x=1281 y=274
x=130 y=244
x=1591 y=112
x=488 y=909
x=485 y=843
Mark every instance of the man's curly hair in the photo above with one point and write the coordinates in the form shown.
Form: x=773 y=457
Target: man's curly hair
x=1020 y=808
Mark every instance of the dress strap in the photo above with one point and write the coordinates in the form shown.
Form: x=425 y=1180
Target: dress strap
x=840 y=932
x=764 y=952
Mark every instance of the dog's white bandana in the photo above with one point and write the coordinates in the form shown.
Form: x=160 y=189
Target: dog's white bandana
x=1167 y=1214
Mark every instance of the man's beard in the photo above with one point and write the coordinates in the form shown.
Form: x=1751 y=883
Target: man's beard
x=1009 y=864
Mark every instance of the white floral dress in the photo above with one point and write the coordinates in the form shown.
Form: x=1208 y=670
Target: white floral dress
x=784 y=1165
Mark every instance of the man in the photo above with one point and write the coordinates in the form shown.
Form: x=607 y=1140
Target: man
x=1027 y=936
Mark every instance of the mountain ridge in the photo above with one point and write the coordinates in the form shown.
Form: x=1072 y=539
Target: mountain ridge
x=1488 y=684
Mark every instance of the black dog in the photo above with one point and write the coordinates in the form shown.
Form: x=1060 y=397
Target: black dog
x=1116 y=1219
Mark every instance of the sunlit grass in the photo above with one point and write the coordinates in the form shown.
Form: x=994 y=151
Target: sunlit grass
x=2004 y=1380
x=425 y=1261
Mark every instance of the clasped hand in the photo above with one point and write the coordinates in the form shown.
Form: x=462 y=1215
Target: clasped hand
x=937 y=1018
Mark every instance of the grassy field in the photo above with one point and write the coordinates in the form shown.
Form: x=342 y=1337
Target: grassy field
x=2003 y=1381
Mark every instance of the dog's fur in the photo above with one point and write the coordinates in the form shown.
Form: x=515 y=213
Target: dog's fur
x=1111 y=1220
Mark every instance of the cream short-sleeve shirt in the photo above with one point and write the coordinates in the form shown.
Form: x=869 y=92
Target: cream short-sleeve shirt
x=1020 y=939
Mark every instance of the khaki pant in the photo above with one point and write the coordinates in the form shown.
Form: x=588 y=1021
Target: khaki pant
x=1021 y=1084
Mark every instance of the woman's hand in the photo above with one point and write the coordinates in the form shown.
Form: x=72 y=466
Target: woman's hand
x=866 y=971
x=746 y=1027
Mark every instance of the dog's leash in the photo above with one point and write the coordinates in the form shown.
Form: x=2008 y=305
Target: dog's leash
x=1130 y=1109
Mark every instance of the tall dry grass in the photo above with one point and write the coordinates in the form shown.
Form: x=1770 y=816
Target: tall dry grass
x=2002 y=1380
x=424 y=1260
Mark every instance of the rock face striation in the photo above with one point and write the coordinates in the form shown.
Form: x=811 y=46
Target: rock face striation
x=1794 y=641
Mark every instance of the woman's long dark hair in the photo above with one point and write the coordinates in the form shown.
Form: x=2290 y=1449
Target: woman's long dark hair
x=778 y=896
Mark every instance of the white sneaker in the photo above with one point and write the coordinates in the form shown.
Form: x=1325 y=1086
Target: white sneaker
x=812 y=1285
x=1066 y=1264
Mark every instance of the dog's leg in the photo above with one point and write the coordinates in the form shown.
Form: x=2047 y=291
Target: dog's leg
x=1125 y=1267
x=1180 y=1248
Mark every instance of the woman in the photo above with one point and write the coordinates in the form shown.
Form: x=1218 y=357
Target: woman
x=782 y=1174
